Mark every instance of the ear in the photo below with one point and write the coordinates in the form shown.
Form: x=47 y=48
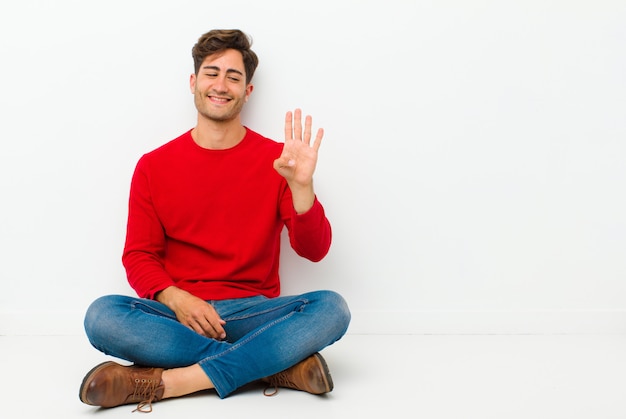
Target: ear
x=249 y=89
x=192 y=83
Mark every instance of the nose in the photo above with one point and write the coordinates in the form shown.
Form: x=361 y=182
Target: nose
x=219 y=84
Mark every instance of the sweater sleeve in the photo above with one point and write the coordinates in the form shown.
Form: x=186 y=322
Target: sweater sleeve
x=145 y=240
x=310 y=233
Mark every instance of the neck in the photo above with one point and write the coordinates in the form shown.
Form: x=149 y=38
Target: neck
x=217 y=135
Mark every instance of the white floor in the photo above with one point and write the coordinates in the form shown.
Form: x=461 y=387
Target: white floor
x=396 y=376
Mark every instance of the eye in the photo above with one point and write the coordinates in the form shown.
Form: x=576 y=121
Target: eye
x=235 y=79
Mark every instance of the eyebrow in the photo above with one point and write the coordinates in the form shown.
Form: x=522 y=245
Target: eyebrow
x=216 y=68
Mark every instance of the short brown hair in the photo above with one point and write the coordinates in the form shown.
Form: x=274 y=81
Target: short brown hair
x=219 y=40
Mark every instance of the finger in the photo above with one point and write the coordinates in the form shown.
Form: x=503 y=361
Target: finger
x=220 y=333
x=197 y=327
x=284 y=162
x=297 y=124
x=204 y=328
x=289 y=126
x=216 y=323
x=318 y=139
x=308 y=121
x=214 y=330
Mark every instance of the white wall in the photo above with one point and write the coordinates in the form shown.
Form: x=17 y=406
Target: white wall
x=473 y=163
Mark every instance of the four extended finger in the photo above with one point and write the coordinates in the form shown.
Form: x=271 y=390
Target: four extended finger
x=318 y=139
x=308 y=121
x=294 y=129
x=288 y=126
x=297 y=125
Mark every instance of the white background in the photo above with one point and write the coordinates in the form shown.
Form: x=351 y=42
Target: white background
x=473 y=166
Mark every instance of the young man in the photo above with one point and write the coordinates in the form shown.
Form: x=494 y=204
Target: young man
x=206 y=211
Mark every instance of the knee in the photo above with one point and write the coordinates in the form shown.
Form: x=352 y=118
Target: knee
x=100 y=315
x=337 y=308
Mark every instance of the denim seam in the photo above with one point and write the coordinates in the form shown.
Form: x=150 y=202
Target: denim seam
x=304 y=301
x=135 y=303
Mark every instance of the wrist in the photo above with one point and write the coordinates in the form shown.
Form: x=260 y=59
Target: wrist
x=303 y=198
x=168 y=295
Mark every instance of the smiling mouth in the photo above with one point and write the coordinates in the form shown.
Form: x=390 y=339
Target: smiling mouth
x=216 y=99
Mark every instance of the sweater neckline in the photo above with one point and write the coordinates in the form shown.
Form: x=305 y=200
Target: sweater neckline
x=237 y=146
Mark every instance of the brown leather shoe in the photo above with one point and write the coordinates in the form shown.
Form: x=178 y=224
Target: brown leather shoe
x=110 y=384
x=311 y=375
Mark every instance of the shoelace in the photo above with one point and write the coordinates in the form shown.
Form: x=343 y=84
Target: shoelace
x=277 y=380
x=145 y=390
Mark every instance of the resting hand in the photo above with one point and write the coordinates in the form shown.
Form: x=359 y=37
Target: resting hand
x=194 y=312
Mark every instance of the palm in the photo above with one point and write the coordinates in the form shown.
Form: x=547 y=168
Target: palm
x=299 y=157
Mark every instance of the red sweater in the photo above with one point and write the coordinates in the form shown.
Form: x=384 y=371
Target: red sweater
x=210 y=221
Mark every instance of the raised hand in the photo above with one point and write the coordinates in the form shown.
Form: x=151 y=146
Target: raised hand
x=299 y=157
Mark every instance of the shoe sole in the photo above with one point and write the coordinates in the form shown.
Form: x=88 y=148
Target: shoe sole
x=328 y=379
x=83 y=387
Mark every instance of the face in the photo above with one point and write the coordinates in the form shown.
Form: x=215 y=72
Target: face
x=219 y=88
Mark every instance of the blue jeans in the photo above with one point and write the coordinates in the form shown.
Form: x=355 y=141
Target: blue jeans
x=263 y=335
